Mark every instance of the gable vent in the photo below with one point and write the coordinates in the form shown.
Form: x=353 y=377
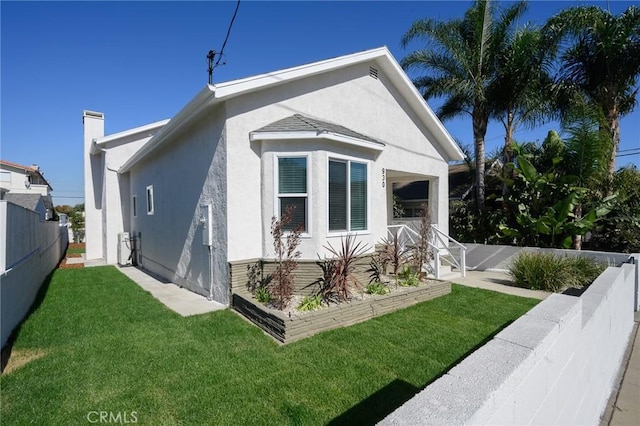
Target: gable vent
x=373 y=73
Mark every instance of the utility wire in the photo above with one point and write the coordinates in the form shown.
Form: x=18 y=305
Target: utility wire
x=227 y=36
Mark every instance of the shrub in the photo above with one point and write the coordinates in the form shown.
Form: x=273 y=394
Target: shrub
x=310 y=303
x=550 y=272
x=409 y=277
x=342 y=277
x=377 y=268
x=395 y=255
x=262 y=294
x=377 y=288
x=286 y=254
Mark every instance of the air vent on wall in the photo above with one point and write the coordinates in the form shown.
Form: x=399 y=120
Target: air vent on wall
x=373 y=73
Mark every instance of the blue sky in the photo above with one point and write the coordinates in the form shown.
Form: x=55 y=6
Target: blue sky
x=140 y=62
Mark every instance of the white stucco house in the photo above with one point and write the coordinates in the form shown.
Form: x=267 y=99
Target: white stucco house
x=26 y=187
x=329 y=137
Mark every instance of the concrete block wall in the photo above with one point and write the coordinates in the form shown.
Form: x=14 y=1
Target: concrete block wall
x=554 y=365
x=30 y=251
x=484 y=257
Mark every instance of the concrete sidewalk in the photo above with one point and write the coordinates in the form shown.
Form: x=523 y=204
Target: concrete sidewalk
x=624 y=405
x=178 y=299
x=497 y=281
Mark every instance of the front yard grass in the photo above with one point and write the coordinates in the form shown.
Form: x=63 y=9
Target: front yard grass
x=107 y=345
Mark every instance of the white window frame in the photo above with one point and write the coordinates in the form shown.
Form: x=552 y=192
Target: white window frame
x=349 y=160
x=134 y=206
x=276 y=188
x=150 y=201
x=5 y=176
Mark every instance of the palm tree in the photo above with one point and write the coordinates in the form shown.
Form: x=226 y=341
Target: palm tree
x=585 y=155
x=459 y=57
x=518 y=93
x=602 y=63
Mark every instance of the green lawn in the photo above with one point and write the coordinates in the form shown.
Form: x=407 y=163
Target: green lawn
x=110 y=346
x=75 y=250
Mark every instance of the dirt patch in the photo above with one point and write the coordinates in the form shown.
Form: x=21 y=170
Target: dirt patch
x=65 y=265
x=12 y=359
x=74 y=255
x=77 y=245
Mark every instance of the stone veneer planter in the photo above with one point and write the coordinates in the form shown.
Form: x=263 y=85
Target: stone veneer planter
x=289 y=329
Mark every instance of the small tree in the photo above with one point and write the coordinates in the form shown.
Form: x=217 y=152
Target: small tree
x=421 y=250
x=77 y=222
x=286 y=254
x=395 y=254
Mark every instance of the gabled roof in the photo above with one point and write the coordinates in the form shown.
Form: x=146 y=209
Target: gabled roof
x=213 y=94
x=33 y=170
x=28 y=201
x=298 y=126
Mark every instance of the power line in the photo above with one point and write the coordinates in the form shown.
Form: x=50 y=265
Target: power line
x=212 y=53
x=233 y=18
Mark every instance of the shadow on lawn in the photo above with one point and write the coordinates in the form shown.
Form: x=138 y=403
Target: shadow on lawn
x=378 y=405
x=7 y=350
x=391 y=397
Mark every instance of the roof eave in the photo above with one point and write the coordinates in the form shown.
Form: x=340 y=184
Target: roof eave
x=305 y=135
x=131 y=132
x=188 y=113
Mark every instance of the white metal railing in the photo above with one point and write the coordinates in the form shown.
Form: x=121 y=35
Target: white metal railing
x=441 y=245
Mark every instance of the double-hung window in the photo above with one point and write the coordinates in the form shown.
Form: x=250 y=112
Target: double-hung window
x=292 y=190
x=347 y=196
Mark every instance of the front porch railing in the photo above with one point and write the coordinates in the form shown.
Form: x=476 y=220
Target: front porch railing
x=442 y=247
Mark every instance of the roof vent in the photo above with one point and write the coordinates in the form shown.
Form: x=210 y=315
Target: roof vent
x=373 y=73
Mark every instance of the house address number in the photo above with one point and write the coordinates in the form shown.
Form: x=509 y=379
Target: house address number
x=384 y=177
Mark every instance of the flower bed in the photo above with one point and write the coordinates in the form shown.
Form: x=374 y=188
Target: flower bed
x=290 y=327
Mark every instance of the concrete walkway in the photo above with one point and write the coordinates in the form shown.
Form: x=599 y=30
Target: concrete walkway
x=177 y=299
x=624 y=405
x=497 y=281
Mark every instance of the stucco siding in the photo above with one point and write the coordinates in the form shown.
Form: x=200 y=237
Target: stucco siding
x=188 y=171
x=349 y=97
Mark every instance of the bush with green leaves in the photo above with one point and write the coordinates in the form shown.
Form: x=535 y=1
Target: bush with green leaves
x=551 y=272
x=409 y=277
x=377 y=288
x=262 y=294
x=310 y=303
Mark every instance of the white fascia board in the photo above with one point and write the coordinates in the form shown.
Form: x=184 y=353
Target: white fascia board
x=189 y=112
x=269 y=136
x=100 y=142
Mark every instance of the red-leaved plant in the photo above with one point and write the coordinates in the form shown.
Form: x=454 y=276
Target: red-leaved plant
x=344 y=268
x=286 y=254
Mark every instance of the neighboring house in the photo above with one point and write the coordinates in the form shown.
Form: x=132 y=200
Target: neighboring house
x=27 y=187
x=331 y=138
x=461 y=179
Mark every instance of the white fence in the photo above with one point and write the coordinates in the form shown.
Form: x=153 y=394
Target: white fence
x=29 y=250
x=555 y=365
